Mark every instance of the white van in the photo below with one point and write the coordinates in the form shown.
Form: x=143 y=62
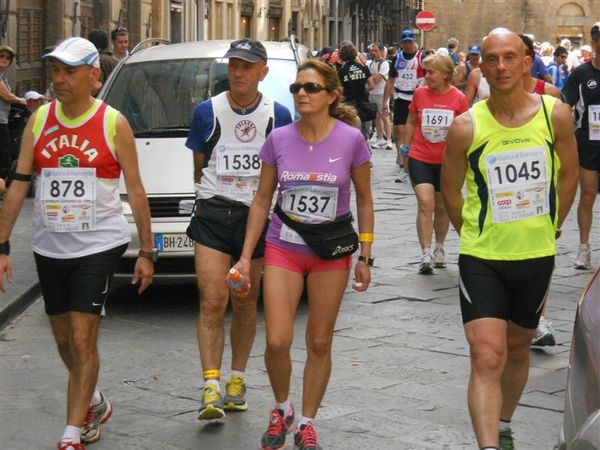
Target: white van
x=157 y=89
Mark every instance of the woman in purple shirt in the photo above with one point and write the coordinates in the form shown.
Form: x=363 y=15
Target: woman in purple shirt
x=314 y=161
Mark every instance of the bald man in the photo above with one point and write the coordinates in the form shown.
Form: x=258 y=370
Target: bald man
x=519 y=158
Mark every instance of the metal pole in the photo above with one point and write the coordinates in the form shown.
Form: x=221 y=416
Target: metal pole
x=200 y=8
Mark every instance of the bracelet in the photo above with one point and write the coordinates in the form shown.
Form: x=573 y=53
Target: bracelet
x=365 y=237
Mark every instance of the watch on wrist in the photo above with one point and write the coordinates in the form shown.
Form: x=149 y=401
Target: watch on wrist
x=368 y=261
x=5 y=248
x=152 y=255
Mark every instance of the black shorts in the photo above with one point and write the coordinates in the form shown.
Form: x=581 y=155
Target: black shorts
x=421 y=172
x=509 y=290
x=400 y=111
x=221 y=225
x=589 y=154
x=77 y=284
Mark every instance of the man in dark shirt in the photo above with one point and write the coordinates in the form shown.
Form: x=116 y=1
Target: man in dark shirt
x=582 y=91
x=355 y=78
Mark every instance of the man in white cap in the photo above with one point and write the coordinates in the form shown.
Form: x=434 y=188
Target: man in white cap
x=78 y=147
x=34 y=100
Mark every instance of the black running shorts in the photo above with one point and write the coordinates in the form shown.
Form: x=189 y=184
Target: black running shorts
x=77 y=284
x=509 y=290
x=589 y=153
x=400 y=111
x=421 y=172
x=222 y=227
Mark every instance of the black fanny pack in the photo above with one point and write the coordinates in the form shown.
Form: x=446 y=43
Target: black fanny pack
x=329 y=240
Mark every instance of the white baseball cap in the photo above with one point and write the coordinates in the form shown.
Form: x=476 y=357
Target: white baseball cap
x=76 y=51
x=32 y=95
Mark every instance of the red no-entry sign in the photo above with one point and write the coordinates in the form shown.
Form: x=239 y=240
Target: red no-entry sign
x=425 y=21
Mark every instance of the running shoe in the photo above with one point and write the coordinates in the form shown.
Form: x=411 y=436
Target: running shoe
x=507 y=441
x=373 y=140
x=305 y=438
x=584 y=257
x=439 y=258
x=96 y=415
x=69 y=446
x=426 y=264
x=235 y=395
x=544 y=334
x=277 y=430
x=212 y=404
x=389 y=145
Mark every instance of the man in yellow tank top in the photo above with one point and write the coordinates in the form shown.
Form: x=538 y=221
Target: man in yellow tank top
x=518 y=156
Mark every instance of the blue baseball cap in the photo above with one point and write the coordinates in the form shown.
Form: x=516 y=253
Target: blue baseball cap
x=408 y=35
x=474 y=50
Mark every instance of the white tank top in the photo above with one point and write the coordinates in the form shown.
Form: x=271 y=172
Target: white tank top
x=483 y=90
x=233 y=169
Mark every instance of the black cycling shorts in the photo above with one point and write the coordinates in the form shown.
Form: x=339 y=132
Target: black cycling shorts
x=222 y=227
x=400 y=111
x=77 y=284
x=509 y=290
x=421 y=172
x=589 y=154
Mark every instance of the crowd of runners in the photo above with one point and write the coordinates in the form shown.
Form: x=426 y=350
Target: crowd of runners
x=495 y=141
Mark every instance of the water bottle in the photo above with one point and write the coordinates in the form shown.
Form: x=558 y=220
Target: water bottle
x=237 y=283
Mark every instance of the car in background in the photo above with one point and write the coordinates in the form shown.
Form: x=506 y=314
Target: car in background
x=581 y=417
x=157 y=89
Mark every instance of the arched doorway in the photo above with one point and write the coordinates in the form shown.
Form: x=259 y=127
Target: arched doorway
x=571 y=23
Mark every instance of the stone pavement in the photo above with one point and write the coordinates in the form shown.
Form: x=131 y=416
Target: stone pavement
x=25 y=288
x=400 y=360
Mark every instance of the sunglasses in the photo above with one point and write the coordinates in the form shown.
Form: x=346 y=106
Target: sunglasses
x=309 y=88
x=5 y=56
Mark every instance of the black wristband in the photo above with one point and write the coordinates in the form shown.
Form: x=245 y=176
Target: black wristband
x=5 y=248
x=21 y=177
x=368 y=261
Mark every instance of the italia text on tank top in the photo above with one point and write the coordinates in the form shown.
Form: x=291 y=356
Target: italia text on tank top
x=511 y=204
x=233 y=169
x=77 y=210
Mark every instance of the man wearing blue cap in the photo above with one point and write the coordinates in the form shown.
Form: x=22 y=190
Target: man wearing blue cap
x=463 y=70
x=404 y=78
x=78 y=147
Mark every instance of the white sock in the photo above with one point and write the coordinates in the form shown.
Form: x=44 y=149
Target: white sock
x=97 y=397
x=238 y=373
x=286 y=407
x=504 y=425
x=439 y=245
x=427 y=249
x=305 y=420
x=212 y=382
x=584 y=246
x=72 y=434
x=489 y=448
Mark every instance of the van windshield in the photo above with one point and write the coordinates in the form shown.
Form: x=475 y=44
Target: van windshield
x=159 y=97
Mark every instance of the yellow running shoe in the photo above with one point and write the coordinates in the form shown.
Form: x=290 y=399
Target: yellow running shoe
x=235 y=394
x=212 y=404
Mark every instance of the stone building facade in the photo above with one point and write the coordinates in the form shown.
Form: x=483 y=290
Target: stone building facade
x=547 y=20
x=30 y=26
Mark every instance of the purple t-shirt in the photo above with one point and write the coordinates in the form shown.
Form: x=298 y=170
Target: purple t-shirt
x=314 y=179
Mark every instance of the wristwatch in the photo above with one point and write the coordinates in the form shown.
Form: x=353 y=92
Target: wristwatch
x=152 y=255
x=5 y=248
x=368 y=261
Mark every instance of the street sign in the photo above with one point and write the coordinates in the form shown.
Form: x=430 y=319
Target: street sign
x=425 y=21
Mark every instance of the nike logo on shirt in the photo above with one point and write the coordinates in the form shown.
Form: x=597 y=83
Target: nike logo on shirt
x=332 y=160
